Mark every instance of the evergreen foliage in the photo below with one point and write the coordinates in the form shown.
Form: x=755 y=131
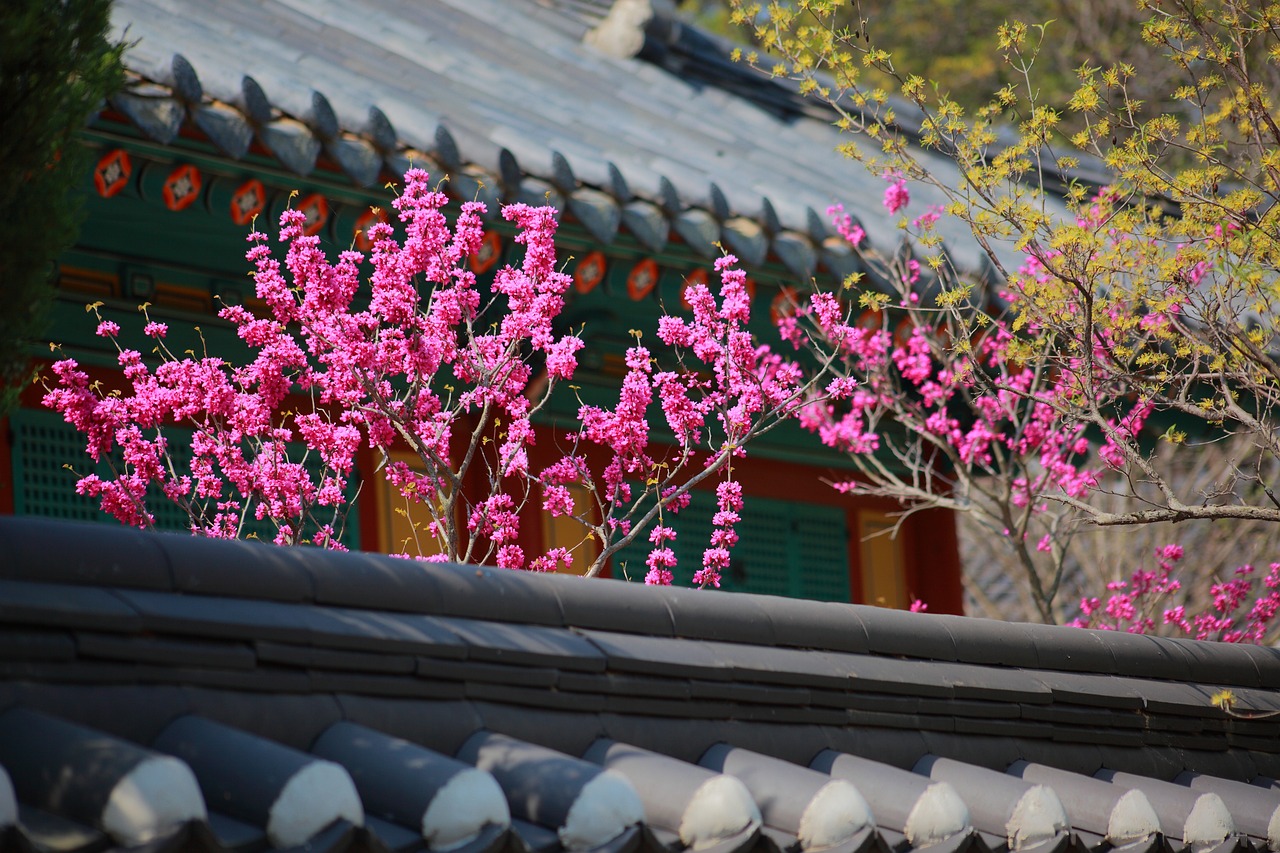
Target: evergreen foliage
x=57 y=64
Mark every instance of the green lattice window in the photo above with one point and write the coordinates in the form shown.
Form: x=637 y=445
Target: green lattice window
x=786 y=548
x=43 y=444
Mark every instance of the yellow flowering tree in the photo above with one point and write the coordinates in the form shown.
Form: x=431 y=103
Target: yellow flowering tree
x=1142 y=299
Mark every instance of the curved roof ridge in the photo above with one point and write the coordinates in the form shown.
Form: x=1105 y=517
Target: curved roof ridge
x=49 y=551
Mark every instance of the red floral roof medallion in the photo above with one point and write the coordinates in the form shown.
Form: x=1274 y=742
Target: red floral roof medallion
x=182 y=187
x=642 y=279
x=249 y=199
x=589 y=272
x=316 y=209
x=112 y=172
x=488 y=255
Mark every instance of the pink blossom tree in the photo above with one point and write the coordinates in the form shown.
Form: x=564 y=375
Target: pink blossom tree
x=420 y=359
x=938 y=409
x=945 y=396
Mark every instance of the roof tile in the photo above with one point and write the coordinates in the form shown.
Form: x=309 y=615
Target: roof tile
x=494 y=673
x=533 y=645
x=613 y=605
x=657 y=707
x=987 y=641
x=374 y=631
x=45 y=550
x=165 y=651
x=438 y=725
x=896 y=632
x=534 y=697
x=208 y=616
x=314 y=658
x=56 y=605
x=290 y=719
x=613 y=683
x=567 y=730
x=231 y=568
x=1079 y=650
x=46 y=831
x=658 y=655
x=1142 y=656
x=816 y=625
x=1215 y=663
x=1096 y=690
x=36 y=645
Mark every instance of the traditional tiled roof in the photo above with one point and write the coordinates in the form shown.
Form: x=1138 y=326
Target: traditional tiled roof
x=168 y=692
x=517 y=100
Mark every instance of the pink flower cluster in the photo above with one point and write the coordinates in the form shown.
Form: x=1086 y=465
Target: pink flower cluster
x=662 y=559
x=379 y=366
x=240 y=466
x=1242 y=611
x=845 y=226
x=726 y=386
x=716 y=558
x=1009 y=410
x=896 y=195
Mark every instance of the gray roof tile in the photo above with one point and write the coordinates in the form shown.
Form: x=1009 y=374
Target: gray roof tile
x=896 y=795
x=1096 y=690
x=92 y=779
x=657 y=655
x=1256 y=810
x=1266 y=660
x=565 y=729
x=1076 y=757
x=1198 y=818
x=206 y=616
x=808 y=624
x=36 y=645
x=372 y=684
x=749 y=692
x=1147 y=657
x=46 y=831
x=895 y=632
x=438 y=725
x=216 y=567
x=35 y=551
x=1219 y=663
x=1122 y=817
x=624 y=684
x=534 y=697
x=697 y=807
x=513 y=76
x=521 y=675
x=53 y=605
x=165 y=651
x=309 y=657
x=818 y=810
x=281 y=659
x=253 y=780
x=988 y=641
x=526 y=644
x=1027 y=814
x=674 y=707
x=366 y=630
